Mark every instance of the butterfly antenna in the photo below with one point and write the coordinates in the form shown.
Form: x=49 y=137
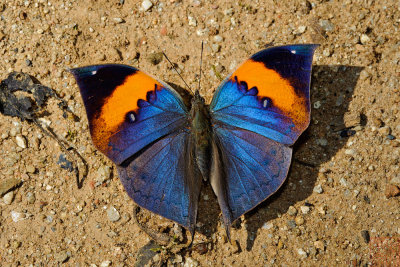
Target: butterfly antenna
x=201 y=62
x=173 y=66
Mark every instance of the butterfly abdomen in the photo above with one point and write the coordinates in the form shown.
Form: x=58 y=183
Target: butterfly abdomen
x=201 y=131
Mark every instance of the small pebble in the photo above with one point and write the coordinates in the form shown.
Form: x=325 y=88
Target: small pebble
x=317 y=104
x=113 y=214
x=326 y=52
x=391 y=191
x=30 y=197
x=292 y=211
x=118 y=20
x=8 y=198
x=105 y=263
x=267 y=225
x=17 y=216
x=218 y=38
x=305 y=209
x=192 y=21
x=302 y=253
x=147 y=5
x=322 y=209
x=300 y=29
x=228 y=12
x=299 y=220
x=30 y=169
x=350 y=152
x=326 y=25
x=21 y=141
x=103 y=174
x=343 y=182
x=364 y=39
x=216 y=48
x=318 y=189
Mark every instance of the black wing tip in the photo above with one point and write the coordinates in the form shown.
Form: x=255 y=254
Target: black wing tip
x=91 y=70
x=306 y=50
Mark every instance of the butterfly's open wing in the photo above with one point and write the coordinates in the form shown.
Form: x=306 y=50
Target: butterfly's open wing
x=164 y=180
x=127 y=109
x=257 y=113
x=139 y=123
x=246 y=169
x=268 y=94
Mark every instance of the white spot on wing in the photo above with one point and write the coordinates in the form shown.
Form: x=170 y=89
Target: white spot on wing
x=132 y=116
x=293 y=51
x=265 y=103
x=94 y=72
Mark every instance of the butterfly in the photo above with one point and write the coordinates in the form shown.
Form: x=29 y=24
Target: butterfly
x=240 y=142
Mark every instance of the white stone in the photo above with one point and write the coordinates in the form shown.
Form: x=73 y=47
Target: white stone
x=302 y=253
x=192 y=21
x=118 y=20
x=305 y=209
x=17 y=216
x=343 y=182
x=318 y=189
x=317 y=104
x=8 y=198
x=301 y=29
x=21 y=141
x=268 y=225
x=364 y=38
x=113 y=214
x=218 y=38
x=146 y=5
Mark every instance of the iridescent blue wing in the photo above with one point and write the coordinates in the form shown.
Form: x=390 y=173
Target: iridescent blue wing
x=140 y=124
x=164 y=180
x=127 y=109
x=257 y=113
x=246 y=169
x=269 y=93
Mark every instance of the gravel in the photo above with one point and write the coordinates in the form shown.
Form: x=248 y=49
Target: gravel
x=113 y=214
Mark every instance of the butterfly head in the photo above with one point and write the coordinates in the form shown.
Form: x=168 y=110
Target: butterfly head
x=197 y=98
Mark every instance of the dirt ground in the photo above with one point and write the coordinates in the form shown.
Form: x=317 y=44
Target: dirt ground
x=338 y=205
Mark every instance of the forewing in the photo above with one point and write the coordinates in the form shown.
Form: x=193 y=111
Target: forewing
x=247 y=168
x=127 y=109
x=164 y=180
x=268 y=94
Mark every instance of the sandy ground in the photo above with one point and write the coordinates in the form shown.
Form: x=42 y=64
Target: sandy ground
x=337 y=206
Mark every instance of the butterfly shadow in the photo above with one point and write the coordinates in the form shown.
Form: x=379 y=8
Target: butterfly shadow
x=331 y=93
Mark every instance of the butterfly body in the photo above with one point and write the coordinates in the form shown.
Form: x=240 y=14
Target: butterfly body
x=241 y=142
x=202 y=134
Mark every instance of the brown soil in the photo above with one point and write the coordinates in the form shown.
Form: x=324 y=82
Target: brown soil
x=343 y=165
